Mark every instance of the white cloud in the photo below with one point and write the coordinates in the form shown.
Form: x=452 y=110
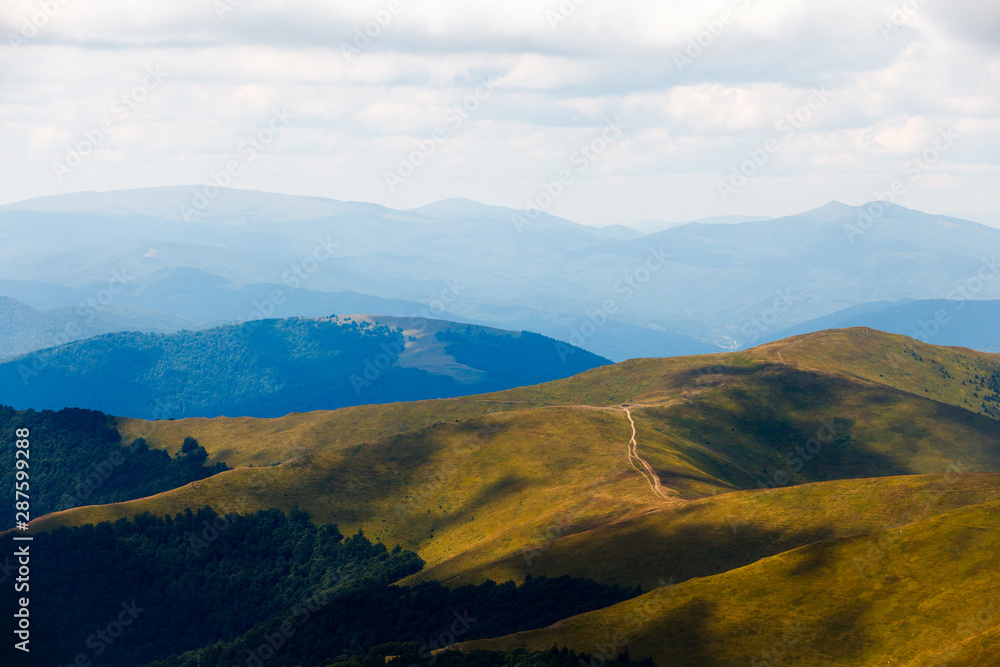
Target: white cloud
x=556 y=85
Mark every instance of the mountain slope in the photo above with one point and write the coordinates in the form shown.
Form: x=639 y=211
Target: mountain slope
x=25 y=329
x=269 y=368
x=916 y=595
x=472 y=494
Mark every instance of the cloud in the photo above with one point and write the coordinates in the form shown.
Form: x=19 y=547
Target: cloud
x=699 y=84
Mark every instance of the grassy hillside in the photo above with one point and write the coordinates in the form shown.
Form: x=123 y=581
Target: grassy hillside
x=821 y=475
x=270 y=368
x=922 y=594
x=839 y=362
x=475 y=493
x=244 y=441
x=720 y=533
x=486 y=484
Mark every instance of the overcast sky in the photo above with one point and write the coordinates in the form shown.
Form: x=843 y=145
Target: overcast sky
x=493 y=100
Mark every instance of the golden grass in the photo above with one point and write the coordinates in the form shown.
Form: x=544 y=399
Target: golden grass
x=901 y=596
x=874 y=556
x=479 y=485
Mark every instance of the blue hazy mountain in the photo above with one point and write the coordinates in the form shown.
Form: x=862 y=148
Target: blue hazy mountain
x=614 y=291
x=962 y=323
x=24 y=329
x=268 y=368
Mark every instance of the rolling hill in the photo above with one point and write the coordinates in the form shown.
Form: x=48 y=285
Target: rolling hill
x=472 y=481
x=834 y=475
x=919 y=594
x=268 y=368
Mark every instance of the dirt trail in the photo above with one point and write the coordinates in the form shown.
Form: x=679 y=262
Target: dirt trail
x=646 y=470
x=790 y=345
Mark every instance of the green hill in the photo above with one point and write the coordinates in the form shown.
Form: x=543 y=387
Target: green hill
x=477 y=490
x=78 y=458
x=269 y=368
x=754 y=481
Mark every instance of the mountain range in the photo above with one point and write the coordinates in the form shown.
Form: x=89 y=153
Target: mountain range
x=956 y=322
x=726 y=442
x=614 y=291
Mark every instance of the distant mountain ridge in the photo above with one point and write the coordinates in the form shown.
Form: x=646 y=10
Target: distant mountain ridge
x=961 y=323
x=24 y=329
x=601 y=289
x=268 y=368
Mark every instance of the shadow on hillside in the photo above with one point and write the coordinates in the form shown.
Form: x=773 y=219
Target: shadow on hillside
x=488 y=495
x=685 y=635
x=653 y=552
x=711 y=375
x=784 y=428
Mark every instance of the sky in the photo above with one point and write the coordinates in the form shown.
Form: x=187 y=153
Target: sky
x=602 y=112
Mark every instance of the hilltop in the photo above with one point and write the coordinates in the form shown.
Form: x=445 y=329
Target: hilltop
x=269 y=368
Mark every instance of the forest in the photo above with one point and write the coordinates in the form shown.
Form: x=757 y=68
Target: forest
x=78 y=458
x=204 y=588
